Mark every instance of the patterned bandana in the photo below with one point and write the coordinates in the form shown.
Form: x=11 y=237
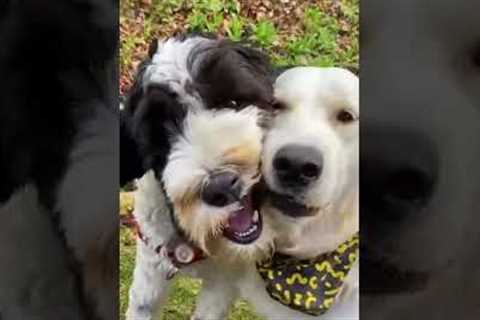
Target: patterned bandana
x=310 y=285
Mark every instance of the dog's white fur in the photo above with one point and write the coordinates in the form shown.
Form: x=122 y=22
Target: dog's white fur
x=200 y=151
x=326 y=91
x=209 y=135
x=209 y=140
x=170 y=66
x=312 y=98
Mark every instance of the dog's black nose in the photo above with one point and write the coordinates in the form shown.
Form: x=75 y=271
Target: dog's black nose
x=297 y=166
x=222 y=189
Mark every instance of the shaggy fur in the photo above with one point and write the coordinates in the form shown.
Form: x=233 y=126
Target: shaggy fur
x=182 y=75
x=190 y=115
x=58 y=133
x=230 y=272
x=175 y=123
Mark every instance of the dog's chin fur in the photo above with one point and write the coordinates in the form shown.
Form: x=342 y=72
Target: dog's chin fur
x=311 y=99
x=227 y=252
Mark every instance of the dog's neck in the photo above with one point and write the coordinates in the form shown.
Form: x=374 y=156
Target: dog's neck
x=319 y=234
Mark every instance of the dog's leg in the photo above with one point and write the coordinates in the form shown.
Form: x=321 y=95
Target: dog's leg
x=215 y=299
x=150 y=285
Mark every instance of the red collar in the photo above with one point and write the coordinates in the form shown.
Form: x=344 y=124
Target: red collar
x=180 y=251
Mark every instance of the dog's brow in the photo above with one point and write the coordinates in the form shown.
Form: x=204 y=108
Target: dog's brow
x=240 y=156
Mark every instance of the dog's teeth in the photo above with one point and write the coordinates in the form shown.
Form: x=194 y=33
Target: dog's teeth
x=255 y=216
x=251 y=230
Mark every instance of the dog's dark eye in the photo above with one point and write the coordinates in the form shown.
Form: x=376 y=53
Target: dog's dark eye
x=346 y=116
x=232 y=104
x=278 y=105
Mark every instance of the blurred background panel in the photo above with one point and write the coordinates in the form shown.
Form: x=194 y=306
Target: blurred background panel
x=420 y=100
x=59 y=159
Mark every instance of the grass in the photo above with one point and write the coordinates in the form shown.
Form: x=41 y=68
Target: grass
x=301 y=32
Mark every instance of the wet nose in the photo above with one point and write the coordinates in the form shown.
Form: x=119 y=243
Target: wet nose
x=297 y=165
x=222 y=189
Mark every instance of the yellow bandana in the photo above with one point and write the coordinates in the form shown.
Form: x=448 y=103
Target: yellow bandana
x=309 y=285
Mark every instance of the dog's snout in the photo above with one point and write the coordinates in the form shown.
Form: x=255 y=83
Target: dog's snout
x=297 y=165
x=222 y=189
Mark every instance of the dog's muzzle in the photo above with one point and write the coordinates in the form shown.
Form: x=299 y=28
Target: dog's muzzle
x=290 y=206
x=222 y=189
x=297 y=166
x=244 y=225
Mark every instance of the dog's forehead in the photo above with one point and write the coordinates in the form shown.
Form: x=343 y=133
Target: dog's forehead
x=212 y=133
x=213 y=139
x=312 y=83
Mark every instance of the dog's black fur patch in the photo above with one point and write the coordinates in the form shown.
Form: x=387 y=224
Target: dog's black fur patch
x=229 y=72
x=232 y=72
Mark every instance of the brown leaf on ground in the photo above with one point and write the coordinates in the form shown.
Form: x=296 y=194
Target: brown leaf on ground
x=139 y=23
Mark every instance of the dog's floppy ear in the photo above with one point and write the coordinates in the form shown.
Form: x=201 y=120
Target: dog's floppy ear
x=131 y=161
x=135 y=93
x=150 y=117
x=232 y=71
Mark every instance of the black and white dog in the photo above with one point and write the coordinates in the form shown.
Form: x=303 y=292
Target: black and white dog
x=58 y=160
x=202 y=148
x=196 y=113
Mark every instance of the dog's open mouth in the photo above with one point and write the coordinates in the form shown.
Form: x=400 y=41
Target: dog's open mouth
x=244 y=225
x=289 y=206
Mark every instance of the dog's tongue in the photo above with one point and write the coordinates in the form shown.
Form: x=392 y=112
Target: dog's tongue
x=241 y=220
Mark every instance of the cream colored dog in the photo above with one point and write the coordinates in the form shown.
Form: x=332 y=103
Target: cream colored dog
x=310 y=164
